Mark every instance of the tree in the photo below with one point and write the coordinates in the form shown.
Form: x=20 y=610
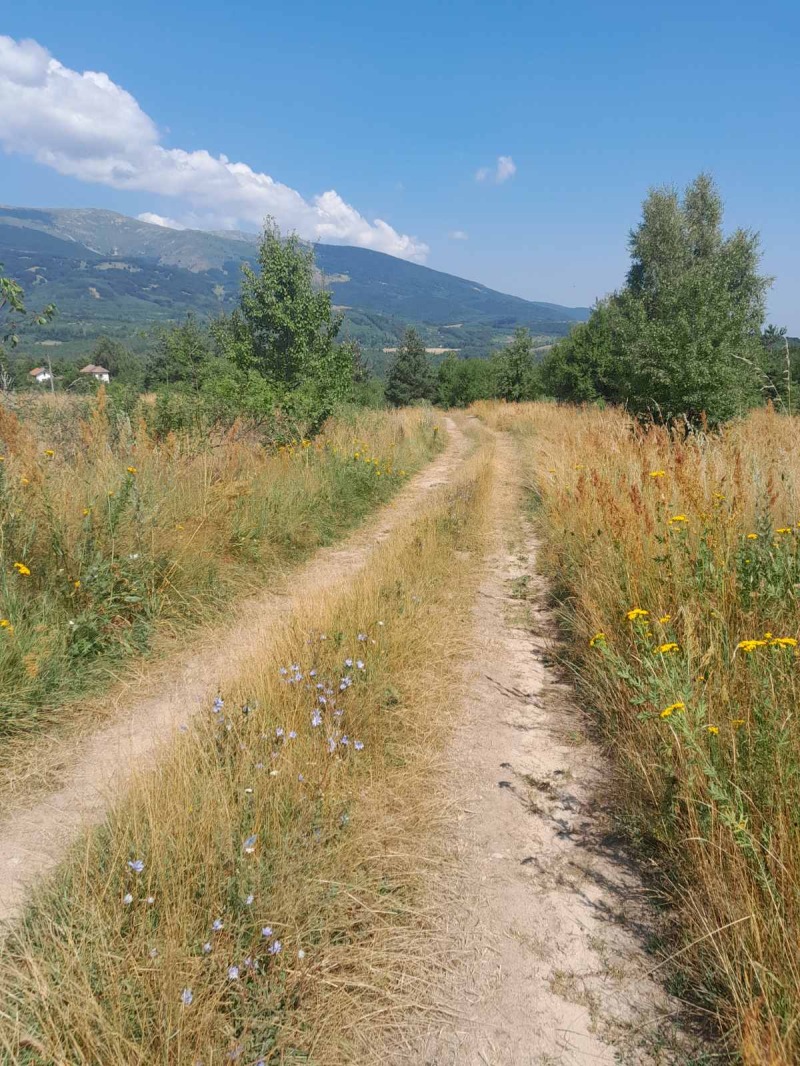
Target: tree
x=682 y=338
x=461 y=382
x=514 y=369
x=284 y=330
x=410 y=376
x=182 y=355
x=12 y=308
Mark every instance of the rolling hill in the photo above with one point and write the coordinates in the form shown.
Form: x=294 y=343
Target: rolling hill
x=108 y=273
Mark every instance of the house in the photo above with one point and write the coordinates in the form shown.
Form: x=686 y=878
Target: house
x=40 y=374
x=99 y=373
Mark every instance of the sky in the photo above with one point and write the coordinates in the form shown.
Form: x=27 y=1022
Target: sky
x=510 y=143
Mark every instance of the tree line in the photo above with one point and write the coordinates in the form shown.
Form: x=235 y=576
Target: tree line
x=684 y=338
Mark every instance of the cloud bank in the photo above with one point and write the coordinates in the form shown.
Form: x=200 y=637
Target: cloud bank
x=85 y=126
x=504 y=168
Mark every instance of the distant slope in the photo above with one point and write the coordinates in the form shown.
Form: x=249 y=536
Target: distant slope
x=110 y=273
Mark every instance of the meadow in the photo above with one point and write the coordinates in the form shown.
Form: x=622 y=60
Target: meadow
x=675 y=564
x=117 y=536
x=262 y=896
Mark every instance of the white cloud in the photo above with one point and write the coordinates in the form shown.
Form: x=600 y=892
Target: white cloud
x=85 y=126
x=160 y=220
x=504 y=168
x=458 y=235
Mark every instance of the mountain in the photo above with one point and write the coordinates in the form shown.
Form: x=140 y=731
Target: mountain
x=108 y=273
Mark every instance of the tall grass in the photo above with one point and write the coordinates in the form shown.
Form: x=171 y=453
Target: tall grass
x=677 y=563
x=110 y=532
x=278 y=911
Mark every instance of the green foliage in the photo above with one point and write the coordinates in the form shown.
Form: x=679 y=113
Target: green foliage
x=12 y=308
x=284 y=330
x=780 y=367
x=516 y=376
x=410 y=376
x=461 y=382
x=682 y=338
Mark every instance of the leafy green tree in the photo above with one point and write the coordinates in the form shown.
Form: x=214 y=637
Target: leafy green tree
x=584 y=367
x=461 y=382
x=12 y=308
x=410 y=376
x=515 y=373
x=682 y=338
x=284 y=331
x=182 y=356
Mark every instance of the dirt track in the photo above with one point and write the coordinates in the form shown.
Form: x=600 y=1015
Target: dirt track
x=95 y=770
x=549 y=918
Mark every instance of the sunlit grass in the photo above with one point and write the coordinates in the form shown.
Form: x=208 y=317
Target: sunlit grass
x=110 y=535
x=261 y=896
x=677 y=564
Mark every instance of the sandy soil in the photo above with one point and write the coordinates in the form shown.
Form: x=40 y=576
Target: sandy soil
x=548 y=918
x=93 y=770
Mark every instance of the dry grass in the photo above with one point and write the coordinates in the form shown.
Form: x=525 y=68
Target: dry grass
x=339 y=861
x=667 y=554
x=110 y=534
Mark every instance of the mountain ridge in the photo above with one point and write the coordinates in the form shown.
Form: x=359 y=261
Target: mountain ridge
x=107 y=272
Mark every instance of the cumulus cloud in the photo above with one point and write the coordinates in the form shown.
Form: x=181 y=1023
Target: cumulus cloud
x=160 y=220
x=504 y=168
x=458 y=235
x=87 y=127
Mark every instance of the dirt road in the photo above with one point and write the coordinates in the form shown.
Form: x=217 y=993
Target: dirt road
x=549 y=919
x=96 y=769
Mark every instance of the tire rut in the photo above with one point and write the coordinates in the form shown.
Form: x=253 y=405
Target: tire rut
x=97 y=768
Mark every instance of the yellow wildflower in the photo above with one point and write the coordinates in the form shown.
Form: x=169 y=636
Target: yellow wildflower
x=86 y=512
x=750 y=645
x=676 y=518
x=76 y=584
x=665 y=618
x=672 y=646
x=597 y=639
x=636 y=612
x=22 y=569
x=668 y=711
x=658 y=473
x=752 y=536
x=784 y=642
x=784 y=529
x=713 y=729
x=131 y=469
x=49 y=453
x=5 y=624
x=24 y=481
x=737 y=723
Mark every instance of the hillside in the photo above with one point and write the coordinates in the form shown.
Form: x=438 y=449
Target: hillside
x=110 y=273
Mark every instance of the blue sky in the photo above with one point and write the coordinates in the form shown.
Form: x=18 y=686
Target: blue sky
x=398 y=107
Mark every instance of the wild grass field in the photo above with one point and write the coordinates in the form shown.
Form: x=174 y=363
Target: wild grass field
x=114 y=532
x=675 y=561
x=260 y=897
